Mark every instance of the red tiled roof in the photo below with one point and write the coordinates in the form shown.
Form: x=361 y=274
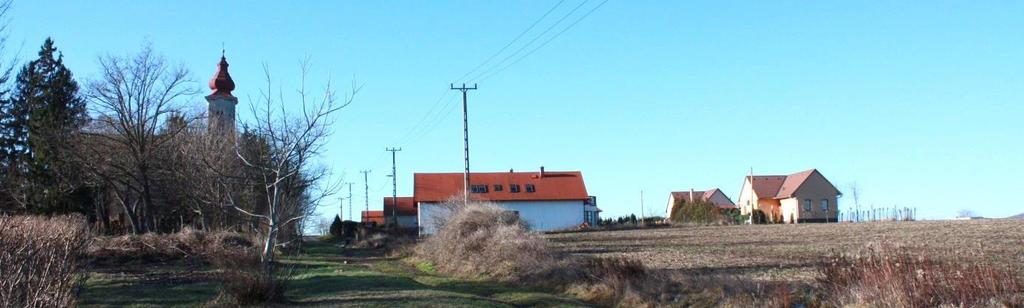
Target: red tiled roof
x=373 y=216
x=552 y=186
x=702 y=195
x=406 y=207
x=793 y=181
x=781 y=186
x=767 y=186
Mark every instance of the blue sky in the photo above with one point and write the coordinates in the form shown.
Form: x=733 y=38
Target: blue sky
x=918 y=102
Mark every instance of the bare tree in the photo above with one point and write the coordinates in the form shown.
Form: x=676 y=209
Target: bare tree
x=855 y=191
x=133 y=98
x=292 y=135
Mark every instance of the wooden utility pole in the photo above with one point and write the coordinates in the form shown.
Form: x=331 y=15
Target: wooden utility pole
x=394 y=185
x=465 y=133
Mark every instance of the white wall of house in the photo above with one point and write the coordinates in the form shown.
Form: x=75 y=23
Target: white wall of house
x=540 y=215
x=407 y=221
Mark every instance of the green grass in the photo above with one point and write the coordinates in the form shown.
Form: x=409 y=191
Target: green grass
x=101 y=290
x=320 y=277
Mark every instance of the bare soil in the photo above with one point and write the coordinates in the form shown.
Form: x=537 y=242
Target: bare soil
x=789 y=253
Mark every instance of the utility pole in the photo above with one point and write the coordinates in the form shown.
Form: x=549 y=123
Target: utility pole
x=341 y=208
x=350 y=202
x=465 y=132
x=394 y=185
x=641 y=207
x=366 y=192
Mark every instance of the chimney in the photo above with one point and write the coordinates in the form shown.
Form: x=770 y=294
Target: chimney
x=542 y=171
x=691 y=196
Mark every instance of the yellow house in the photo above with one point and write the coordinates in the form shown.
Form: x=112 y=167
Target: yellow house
x=800 y=197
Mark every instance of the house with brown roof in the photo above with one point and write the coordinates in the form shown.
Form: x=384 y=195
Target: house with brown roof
x=403 y=213
x=545 y=200
x=713 y=195
x=805 y=196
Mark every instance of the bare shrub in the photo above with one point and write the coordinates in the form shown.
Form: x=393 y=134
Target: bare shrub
x=245 y=280
x=39 y=260
x=482 y=239
x=189 y=245
x=886 y=276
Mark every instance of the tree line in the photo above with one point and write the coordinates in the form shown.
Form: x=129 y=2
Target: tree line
x=123 y=150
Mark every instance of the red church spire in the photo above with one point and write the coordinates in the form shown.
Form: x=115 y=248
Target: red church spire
x=221 y=83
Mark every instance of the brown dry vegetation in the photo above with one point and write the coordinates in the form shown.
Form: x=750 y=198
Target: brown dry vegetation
x=39 y=260
x=960 y=263
x=772 y=253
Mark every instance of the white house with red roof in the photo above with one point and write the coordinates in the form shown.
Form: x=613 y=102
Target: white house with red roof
x=805 y=196
x=404 y=214
x=547 y=201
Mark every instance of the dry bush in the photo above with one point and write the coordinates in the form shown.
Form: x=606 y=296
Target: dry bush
x=484 y=240
x=39 y=260
x=887 y=276
x=245 y=280
x=188 y=245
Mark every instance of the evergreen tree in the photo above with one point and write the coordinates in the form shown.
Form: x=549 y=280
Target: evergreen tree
x=48 y=111
x=337 y=228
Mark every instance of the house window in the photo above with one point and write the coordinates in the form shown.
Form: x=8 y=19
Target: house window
x=530 y=188
x=513 y=188
x=478 y=189
x=824 y=205
x=807 y=205
x=498 y=187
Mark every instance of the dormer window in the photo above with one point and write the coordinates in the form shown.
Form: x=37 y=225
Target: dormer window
x=530 y=188
x=514 y=188
x=498 y=187
x=478 y=189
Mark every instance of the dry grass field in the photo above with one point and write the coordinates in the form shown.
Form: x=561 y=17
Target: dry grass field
x=769 y=253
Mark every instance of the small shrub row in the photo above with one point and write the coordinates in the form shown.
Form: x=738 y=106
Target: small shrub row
x=197 y=247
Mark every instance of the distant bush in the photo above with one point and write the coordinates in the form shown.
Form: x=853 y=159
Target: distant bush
x=884 y=276
x=699 y=212
x=759 y=217
x=39 y=260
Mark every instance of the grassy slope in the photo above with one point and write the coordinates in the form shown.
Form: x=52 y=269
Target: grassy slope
x=321 y=278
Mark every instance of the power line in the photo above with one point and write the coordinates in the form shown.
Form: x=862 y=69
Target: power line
x=545 y=42
x=446 y=111
x=521 y=48
x=426 y=115
x=513 y=41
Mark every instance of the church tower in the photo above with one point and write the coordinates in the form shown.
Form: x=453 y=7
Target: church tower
x=221 y=114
